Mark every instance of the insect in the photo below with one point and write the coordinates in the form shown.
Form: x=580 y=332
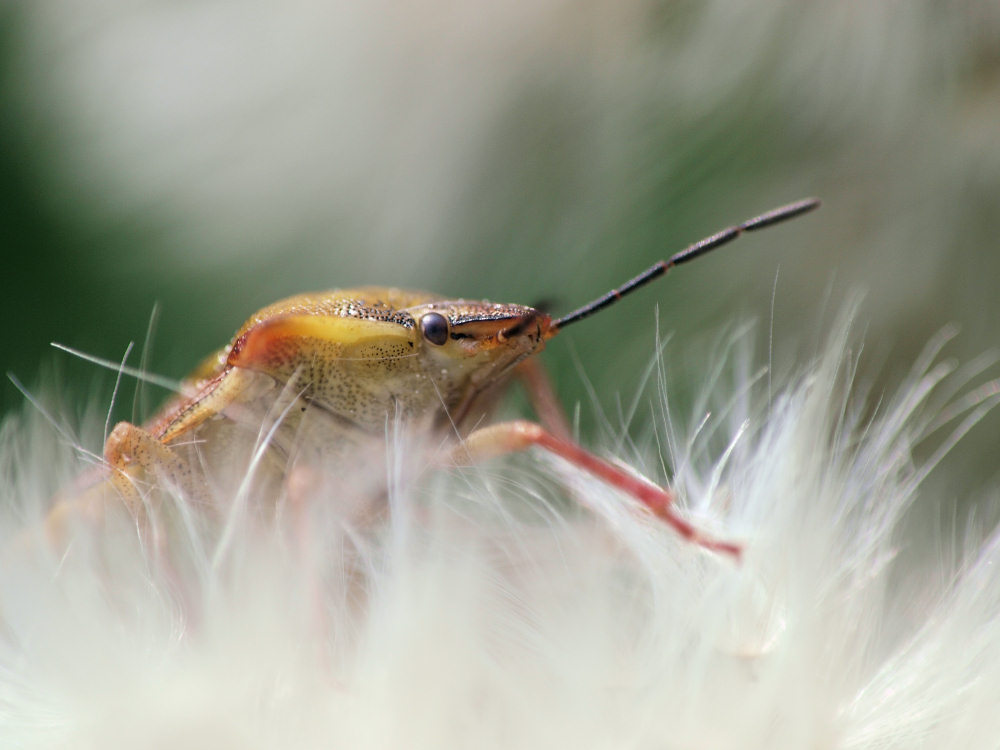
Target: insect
x=325 y=373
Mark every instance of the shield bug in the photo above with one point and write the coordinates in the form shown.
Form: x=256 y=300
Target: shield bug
x=325 y=373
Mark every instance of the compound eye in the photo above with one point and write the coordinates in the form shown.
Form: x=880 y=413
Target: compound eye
x=434 y=326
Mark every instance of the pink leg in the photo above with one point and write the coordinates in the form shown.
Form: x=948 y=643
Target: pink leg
x=543 y=398
x=508 y=437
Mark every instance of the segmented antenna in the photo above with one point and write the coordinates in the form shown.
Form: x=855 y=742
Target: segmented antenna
x=774 y=216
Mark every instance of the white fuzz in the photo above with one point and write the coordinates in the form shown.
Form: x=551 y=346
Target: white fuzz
x=486 y=609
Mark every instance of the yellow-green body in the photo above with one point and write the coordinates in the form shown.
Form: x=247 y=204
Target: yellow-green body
x=326 y=375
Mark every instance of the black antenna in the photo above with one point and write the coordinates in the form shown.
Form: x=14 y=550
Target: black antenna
x=774 y=216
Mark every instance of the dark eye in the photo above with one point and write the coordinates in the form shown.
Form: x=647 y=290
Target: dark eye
x=435 y=328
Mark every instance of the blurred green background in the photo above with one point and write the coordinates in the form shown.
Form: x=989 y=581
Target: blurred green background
x=214 y=156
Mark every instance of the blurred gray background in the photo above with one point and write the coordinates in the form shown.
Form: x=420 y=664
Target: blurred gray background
x=216 y=155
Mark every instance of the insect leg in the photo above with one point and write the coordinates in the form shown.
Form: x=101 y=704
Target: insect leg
x=130 y=448
x=543 y=398
x=130 y=453
x=508 y=437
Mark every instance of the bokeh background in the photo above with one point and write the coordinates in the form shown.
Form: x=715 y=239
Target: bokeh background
x=212 y=156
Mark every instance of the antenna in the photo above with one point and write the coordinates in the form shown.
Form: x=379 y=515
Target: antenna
x=774 y=216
